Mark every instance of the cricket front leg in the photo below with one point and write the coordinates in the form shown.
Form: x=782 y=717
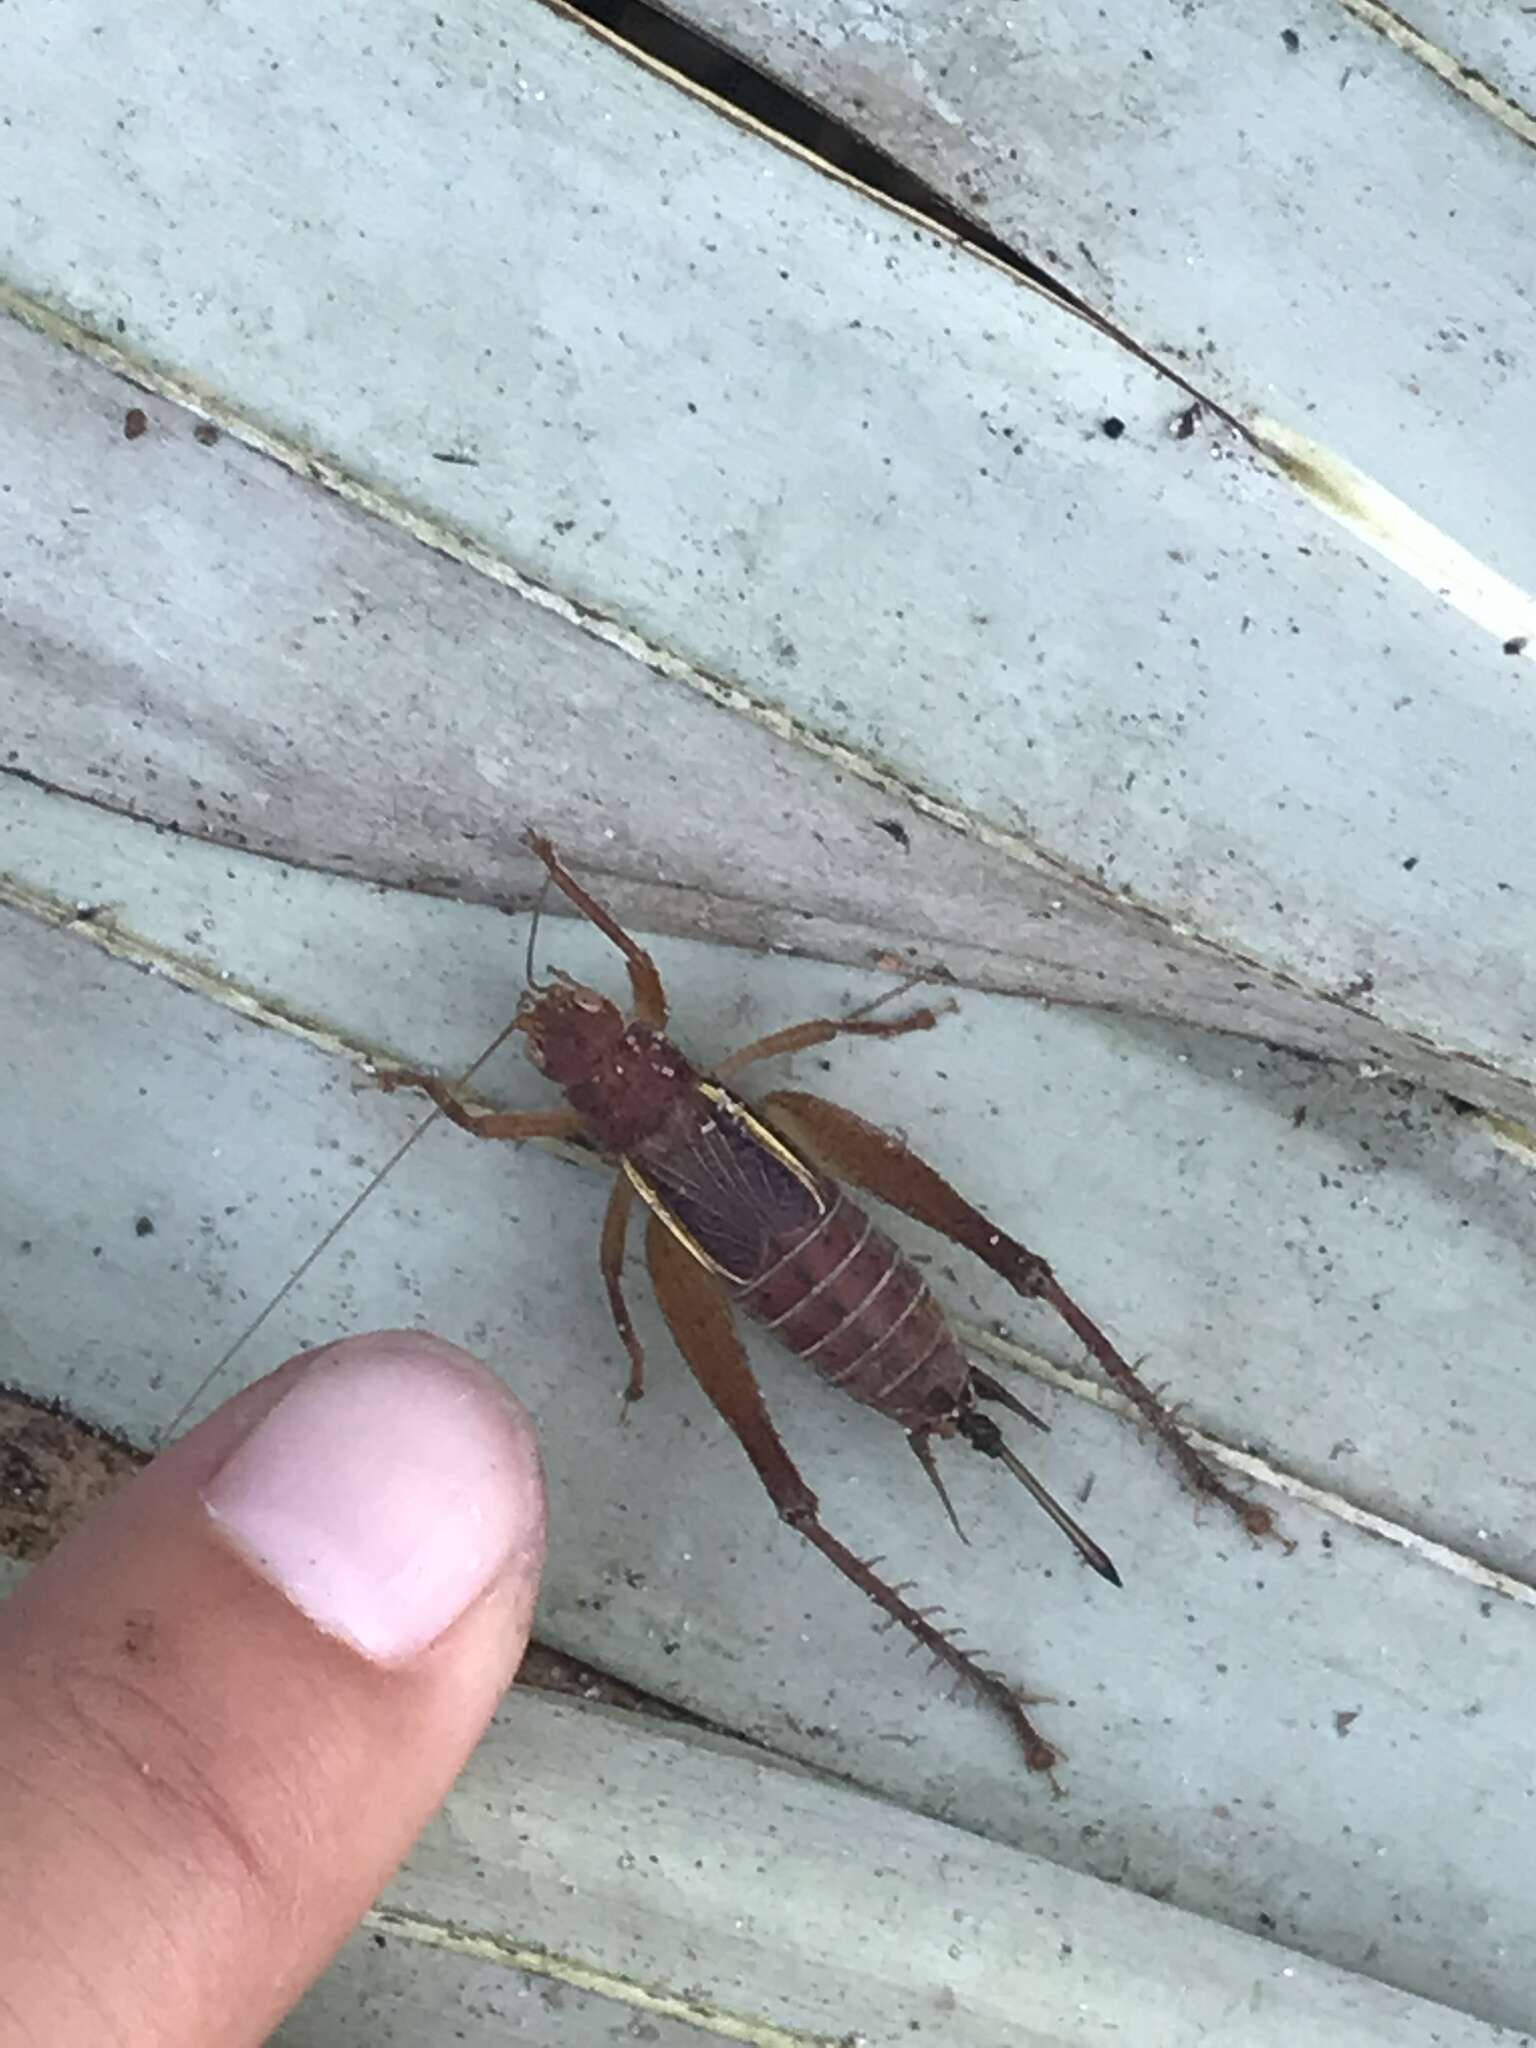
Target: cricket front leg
x=699 y=1315
x=650 y=998
x=843 y=1144
x=483 y=1123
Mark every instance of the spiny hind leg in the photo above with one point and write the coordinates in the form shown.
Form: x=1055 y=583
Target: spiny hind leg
x=698 y=1312
x=848 y=1147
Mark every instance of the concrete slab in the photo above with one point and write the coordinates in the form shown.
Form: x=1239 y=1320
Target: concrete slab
x=492 y=270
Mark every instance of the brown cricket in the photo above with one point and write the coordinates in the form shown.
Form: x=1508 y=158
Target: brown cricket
x=750 y=1209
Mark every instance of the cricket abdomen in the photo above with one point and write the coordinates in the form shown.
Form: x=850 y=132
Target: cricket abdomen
x=801 y=1258
x=847 y=1300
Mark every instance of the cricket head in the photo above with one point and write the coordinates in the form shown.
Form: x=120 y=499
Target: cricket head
x=572 y=1032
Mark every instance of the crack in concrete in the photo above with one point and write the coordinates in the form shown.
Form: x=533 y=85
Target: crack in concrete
x=1463 y=79
x=1438 y=563
x=1308 y=466
x=99 y=926
x=935 y=215
x=539 y=1961
x=395 y=509
x=1344 y=494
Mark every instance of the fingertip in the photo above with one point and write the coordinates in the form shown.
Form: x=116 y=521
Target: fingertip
x=388 y=1486
x=232 y=1698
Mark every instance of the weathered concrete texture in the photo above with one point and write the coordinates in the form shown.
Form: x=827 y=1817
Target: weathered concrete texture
x=198 y=638
x=195 y=637
x=676 y=376
x=386 y=1990
x=840 y=1916
x=1290 y=207
x=1487 y=39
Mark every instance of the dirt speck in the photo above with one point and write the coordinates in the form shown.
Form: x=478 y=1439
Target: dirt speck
x=138 y=1638
x=54 y=1468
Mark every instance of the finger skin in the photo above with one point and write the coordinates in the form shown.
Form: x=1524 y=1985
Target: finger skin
x=201 y=1792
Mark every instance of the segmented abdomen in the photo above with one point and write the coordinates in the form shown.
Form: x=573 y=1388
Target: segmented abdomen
x=849 y=1301
x=799 y=1255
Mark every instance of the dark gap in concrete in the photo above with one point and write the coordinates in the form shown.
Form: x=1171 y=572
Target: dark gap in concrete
x=715 y=69
x=651 y=32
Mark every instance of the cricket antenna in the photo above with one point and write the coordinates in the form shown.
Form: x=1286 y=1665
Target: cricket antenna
x=984 y=1433
x=324 y=1243
x=529 y=978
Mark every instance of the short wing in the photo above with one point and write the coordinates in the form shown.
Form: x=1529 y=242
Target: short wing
x=727 y=1186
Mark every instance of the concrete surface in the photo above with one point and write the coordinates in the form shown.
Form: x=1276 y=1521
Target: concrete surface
x=389 y=1989
x=495 y=269
x=171 y=588
x=1318 y=215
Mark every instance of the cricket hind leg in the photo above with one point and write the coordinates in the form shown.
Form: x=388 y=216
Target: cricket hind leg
x=650 y=998
x=843 y=1144
x=698 y=1313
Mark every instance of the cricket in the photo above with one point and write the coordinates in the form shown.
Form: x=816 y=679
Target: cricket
x=750 y=1209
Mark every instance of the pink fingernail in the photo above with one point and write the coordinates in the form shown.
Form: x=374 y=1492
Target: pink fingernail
x=385 y=1491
